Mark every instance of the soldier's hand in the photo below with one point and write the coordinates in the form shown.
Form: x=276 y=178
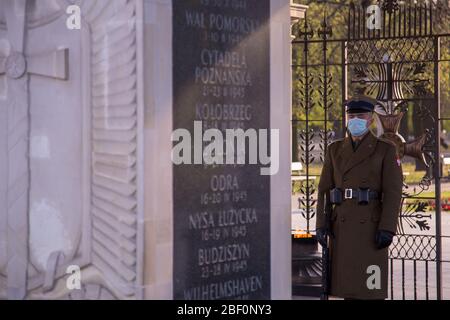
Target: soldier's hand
x=321 y=235
x=383 y=239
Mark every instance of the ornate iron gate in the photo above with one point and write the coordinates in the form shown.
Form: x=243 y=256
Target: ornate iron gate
x=397 y=64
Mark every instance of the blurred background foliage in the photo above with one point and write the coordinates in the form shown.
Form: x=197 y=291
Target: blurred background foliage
x=336 y=14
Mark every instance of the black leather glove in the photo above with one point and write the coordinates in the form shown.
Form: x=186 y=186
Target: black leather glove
x=321 y=235
x=383 y=239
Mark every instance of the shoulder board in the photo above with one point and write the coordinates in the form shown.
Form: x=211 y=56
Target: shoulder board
x=387 y=141
x=335 y=141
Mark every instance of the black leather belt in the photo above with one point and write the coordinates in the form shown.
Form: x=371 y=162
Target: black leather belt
x=363 y=195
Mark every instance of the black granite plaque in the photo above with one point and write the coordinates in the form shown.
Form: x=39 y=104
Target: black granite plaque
x=221 y=76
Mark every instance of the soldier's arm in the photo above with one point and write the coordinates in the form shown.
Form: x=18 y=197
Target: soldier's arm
x=392 y=190
x=325 y=183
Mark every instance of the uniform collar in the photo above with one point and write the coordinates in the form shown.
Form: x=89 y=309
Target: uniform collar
x=365 y=149
x=358 y=142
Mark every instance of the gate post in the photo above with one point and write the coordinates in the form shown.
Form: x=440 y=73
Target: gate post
x=437 y=173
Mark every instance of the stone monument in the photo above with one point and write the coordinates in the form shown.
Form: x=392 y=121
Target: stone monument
x=91 y=205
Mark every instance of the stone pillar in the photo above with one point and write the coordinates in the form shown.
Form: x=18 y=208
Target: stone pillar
x=159 y=101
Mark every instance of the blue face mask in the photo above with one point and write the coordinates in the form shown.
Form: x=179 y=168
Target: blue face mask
x=357 y=127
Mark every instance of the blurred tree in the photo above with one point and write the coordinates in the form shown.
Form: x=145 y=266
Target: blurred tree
x=335 y=13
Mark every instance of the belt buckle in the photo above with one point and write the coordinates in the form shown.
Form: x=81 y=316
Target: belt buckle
x=348 y=194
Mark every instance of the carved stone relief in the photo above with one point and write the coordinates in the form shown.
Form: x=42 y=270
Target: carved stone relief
x=69 y=150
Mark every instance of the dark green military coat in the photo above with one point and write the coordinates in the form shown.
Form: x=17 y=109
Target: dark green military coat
x=375 y=165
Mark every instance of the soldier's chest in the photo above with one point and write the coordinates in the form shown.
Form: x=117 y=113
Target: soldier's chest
x=367 y=171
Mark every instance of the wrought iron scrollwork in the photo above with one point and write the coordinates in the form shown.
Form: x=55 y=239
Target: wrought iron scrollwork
x=413 y=247
x=398 y=66
x=415 y=216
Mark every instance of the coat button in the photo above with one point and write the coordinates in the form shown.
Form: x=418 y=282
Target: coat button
x=342 y=219
x=362 y=220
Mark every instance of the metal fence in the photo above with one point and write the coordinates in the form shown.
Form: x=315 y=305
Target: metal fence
x=399 y=65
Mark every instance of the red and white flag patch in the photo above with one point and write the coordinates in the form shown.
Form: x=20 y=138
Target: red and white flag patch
x=399 y=162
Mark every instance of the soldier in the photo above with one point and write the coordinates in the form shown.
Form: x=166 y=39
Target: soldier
x=362 y=176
